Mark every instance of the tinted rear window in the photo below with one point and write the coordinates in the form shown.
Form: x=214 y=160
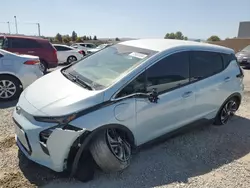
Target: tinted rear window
x=23 y=43
x=227 y=58
x=204 y=64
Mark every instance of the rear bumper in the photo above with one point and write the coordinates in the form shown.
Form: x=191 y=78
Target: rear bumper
x=28 y=74
x=52 y=64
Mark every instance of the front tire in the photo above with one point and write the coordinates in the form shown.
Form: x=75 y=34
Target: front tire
x=227 y=111
x=111 y=150
x=10 y=88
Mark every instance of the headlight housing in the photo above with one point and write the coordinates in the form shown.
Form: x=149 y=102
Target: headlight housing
x=63 y=120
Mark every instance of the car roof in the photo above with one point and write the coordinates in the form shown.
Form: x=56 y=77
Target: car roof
x=83 y=43
x=61 y=45
x=165 y=44
x=24 y=37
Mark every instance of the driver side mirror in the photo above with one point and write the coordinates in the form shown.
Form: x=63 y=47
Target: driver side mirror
x=153 y=96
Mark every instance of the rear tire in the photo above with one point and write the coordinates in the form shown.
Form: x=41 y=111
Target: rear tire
x=10 y=88
x=111 y=153
x=227 y=111
x=71 y=59
x=44 y=66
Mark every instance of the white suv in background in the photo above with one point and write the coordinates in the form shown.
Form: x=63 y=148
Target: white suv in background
x=84 y=46
x=108 y=104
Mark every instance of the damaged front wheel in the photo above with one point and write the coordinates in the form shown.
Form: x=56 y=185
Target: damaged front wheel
x=111 y=150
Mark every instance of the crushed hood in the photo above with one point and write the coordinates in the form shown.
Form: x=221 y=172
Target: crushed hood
x=55 y=95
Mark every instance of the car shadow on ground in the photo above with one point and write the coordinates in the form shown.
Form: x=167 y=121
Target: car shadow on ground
x=194 y=153
x=8 y=104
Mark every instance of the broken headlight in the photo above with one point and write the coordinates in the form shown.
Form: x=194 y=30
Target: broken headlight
x=61 y=120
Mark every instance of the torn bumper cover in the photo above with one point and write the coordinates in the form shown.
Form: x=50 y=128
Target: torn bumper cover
x=54 y=153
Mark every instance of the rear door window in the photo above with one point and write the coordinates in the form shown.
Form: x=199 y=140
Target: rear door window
x=205 y=64
x=62 y=48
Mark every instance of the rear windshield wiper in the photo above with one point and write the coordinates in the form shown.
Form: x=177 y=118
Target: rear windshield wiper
x=76 y=79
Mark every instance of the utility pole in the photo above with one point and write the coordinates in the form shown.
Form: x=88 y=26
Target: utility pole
x=39 y=32
x=9 y=26
x=16 y=25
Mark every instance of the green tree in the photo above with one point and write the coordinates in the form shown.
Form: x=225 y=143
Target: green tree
x=84 y=37
x=95 y=38
x=66 y=38
x=79 y=39
x=74 y=36
x=58 y=37
x=117 y=39
x=178 y=35
x=213 y=38
x=87 y=38
x=90 y=38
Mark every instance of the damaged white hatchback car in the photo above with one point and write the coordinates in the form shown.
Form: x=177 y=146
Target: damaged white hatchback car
x=97 y=111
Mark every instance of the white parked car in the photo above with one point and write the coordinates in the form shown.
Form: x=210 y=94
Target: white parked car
x=84 y=46
x=100 y=47
x=105 y=106
x=67 y=54
x=16 y=73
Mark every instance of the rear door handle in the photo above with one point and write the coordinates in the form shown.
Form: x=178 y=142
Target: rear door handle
x=227 y=79
x=30 y=51
x=187 y=94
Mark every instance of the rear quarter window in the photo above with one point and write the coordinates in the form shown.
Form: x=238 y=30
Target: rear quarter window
x=227 y=59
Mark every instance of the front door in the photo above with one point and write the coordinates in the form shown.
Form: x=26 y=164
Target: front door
x=170 y=77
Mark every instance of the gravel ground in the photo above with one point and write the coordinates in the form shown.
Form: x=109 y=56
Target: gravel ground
x=206 y=156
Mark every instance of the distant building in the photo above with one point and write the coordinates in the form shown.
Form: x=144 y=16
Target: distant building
x=244 y=30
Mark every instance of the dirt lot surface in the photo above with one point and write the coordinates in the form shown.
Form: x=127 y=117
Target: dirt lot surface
x=206 y=156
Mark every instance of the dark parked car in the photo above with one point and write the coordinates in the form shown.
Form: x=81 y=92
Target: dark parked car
x=33 y=46
x=243 y=57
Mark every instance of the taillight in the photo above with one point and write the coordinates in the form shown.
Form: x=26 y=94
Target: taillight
x=54 y=50
x=80 y=52
x=32 y=62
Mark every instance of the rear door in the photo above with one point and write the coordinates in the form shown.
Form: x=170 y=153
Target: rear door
x=208 y=73
x=170 y=77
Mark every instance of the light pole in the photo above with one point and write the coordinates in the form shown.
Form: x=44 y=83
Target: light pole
x=16 y=25
x=39 y=32
x=9 y=26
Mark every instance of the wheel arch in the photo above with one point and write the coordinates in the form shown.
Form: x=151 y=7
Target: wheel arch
x=12 y=75
x=82 y=144
x=236 y=95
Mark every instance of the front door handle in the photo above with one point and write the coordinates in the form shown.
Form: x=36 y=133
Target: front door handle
x=227 y=79
x=30 y=52
x=187 y=94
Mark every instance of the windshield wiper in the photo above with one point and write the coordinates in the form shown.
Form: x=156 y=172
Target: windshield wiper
x=76 y=79
x=81 y=82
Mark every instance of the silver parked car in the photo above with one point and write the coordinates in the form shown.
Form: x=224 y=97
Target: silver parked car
x=16 y=73
x=243 y=57
x=103 y=107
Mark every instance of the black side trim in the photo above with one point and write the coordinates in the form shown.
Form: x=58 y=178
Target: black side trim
x=94 y=108
x=44 y=148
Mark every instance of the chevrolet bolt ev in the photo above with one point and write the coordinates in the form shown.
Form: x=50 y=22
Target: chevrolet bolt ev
x=97 y=111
